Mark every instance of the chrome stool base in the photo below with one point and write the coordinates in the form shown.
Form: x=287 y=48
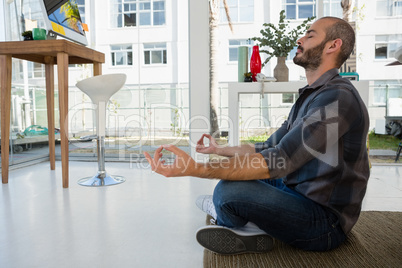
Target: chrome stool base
x=101 y=179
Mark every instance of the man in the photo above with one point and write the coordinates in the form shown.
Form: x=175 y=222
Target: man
x=305 y=184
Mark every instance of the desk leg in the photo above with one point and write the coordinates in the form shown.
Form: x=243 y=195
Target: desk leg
x=5 y=85
x=97 y=68
x=49 y=69
x=62 y=69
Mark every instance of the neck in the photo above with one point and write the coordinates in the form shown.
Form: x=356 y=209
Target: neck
x=313 y=75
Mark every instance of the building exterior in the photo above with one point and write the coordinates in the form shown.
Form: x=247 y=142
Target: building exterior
x=148 y=41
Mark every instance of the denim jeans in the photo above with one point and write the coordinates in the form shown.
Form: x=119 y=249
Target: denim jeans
x=280 y=211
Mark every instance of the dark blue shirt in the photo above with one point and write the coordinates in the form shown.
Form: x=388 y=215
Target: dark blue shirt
x=320 y=151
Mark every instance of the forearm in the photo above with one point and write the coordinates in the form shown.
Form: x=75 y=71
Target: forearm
x=231 y=151
x=237 y=168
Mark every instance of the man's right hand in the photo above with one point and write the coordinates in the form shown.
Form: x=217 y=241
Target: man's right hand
x=211 y=149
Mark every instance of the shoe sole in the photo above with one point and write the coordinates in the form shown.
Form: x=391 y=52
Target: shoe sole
x=224 y=241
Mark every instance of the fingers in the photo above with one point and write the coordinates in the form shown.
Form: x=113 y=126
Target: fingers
x=150 y=160
x=173 y=149
x=156 y=161
x=158 y=153
x=180 y=167
x=201 y=140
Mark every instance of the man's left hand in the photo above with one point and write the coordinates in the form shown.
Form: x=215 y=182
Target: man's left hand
x=183 y=165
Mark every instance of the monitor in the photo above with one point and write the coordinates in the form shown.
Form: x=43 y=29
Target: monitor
x=62 y=18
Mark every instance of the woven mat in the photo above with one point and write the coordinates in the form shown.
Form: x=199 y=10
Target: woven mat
x=375 y=241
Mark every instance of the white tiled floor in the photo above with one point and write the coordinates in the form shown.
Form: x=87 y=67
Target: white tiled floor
x=384 y=192
x=148 y=221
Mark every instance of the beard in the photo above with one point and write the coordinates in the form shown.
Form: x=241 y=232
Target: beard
x=311 y=59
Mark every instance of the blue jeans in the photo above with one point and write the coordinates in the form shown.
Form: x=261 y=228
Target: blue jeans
x=278 y=210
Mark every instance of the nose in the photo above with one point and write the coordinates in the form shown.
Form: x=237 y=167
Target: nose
x=300 y=41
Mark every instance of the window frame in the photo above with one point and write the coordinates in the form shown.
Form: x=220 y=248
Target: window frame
x=330 y=4
x=35 y=70
x=242 y=42
x=392 y=40
x=297 y=4
x=294 y=96
x=391 y=8
x=140 y=10
x=125 y=48
x=238 y=7
x=382 y=85
x=164 y=54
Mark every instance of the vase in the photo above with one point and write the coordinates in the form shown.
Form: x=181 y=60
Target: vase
x=281 y=71
x=248 y=79
x=255 y=62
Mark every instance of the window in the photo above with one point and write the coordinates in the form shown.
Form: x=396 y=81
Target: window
x=239 y=11
x=333 y=8
x=159 y=12
x=81 y=8
x=289 y=98
x=384 y=88
x=155 y=53
x=299 y=9
x=130 y=13
x=234 y=48
x=35 y=70
x=386 y=45
x=122 y=55
x=386 y=8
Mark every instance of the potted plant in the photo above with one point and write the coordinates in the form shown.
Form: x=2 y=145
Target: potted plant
x=279 y=41
x=248 y=77
x=27 y=35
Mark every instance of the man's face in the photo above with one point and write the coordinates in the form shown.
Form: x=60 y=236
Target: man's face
x=311 y=46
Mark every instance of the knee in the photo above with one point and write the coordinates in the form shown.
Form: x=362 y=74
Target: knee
x=226 y=191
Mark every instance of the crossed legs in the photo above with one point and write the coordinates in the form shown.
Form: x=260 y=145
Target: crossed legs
x=278 y=210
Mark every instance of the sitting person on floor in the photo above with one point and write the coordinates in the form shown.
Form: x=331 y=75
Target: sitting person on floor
x=305 y=184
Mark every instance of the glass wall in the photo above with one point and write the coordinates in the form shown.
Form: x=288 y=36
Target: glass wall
x=153 y=107
x=28 y=122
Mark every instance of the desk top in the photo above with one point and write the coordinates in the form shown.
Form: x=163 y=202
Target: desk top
x=45 y=51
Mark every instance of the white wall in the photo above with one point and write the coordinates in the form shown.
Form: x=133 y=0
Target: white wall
x=174 y=33
x=368 y=67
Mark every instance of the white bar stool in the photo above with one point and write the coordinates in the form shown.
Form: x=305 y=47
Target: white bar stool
x=99 y=89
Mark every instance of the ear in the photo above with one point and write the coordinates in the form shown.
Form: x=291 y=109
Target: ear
x=334 y=46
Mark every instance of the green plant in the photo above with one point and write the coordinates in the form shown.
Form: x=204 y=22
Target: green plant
x=113 y=106
x=174 y=126
x=249 y=74
x=27 y=34
x=383 y=142
x=280 y=39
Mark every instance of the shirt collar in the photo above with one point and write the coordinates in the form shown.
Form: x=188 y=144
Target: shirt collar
x=322 y=80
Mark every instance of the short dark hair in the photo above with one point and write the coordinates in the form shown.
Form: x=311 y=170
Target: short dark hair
x=343 y=30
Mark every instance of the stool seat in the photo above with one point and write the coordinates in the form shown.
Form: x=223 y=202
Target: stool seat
x=99 y=89
x=102 y=87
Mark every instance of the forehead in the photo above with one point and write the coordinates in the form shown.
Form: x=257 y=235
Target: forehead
x=320 y=26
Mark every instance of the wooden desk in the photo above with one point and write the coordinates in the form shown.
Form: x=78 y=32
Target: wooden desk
x=50 y=53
